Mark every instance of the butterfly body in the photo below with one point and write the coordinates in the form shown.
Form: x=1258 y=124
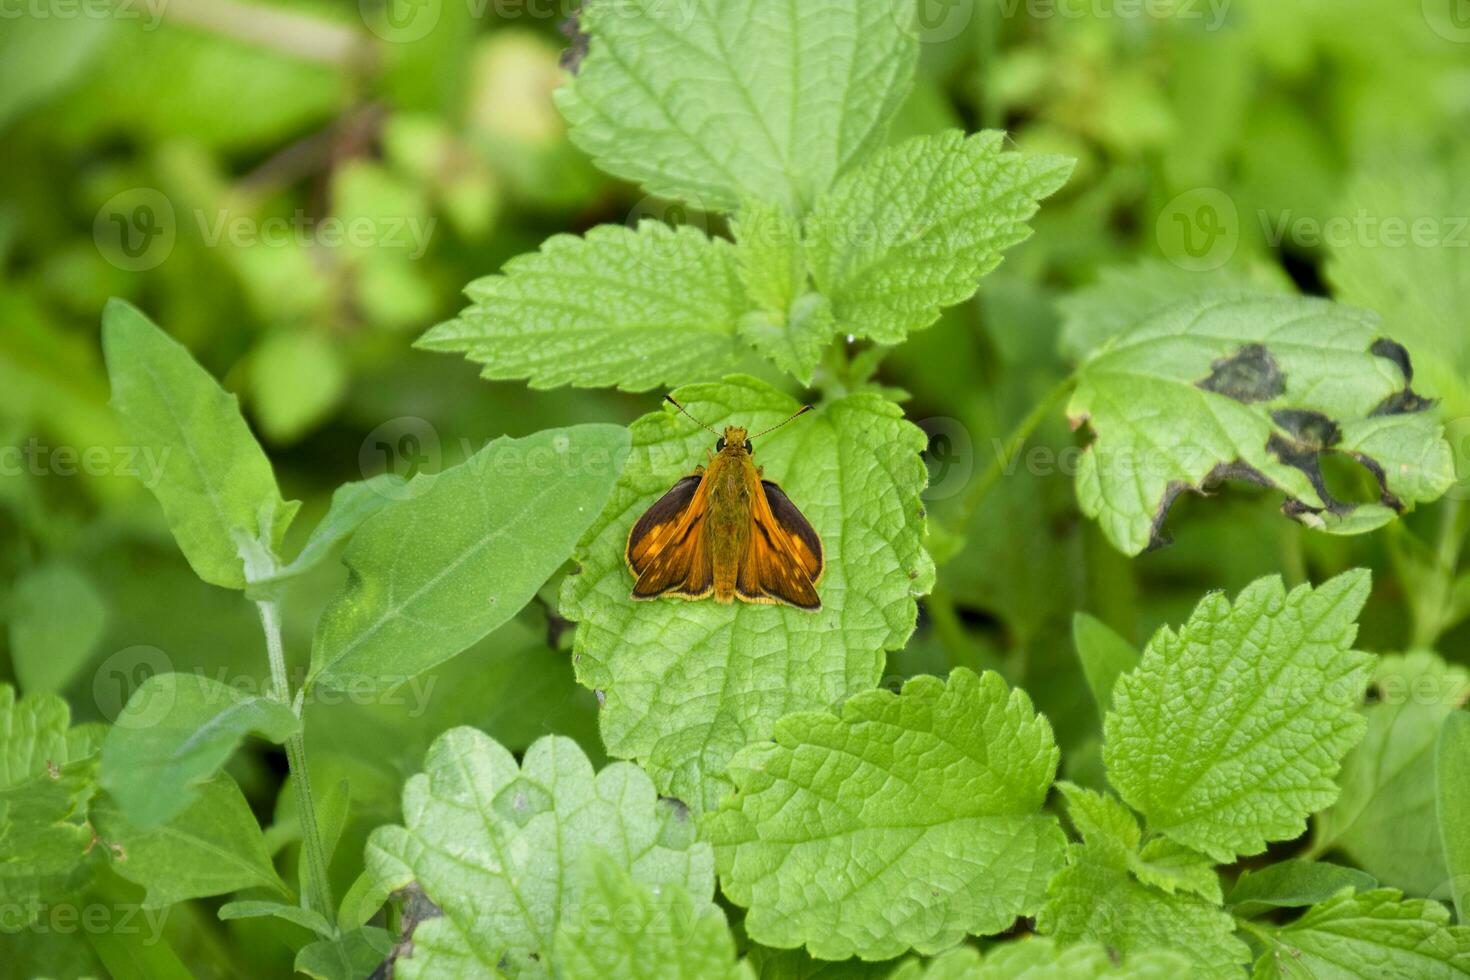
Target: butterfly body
x=726 y=532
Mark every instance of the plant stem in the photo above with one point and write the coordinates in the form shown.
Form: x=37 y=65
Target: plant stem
x=1432 y=614
x=318 y=885
x=977 y=492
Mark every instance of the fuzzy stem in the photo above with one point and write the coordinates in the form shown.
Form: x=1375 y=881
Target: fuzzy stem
x=318 y=885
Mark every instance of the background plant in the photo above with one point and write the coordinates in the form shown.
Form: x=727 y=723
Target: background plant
x=467 y=751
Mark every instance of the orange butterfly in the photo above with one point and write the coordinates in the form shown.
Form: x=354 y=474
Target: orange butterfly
x=725 y=530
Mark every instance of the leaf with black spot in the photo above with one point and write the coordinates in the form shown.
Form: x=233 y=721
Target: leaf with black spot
x=1235 y=385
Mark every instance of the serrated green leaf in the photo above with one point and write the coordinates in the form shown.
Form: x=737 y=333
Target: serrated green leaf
x=905 y=821
x=1418 y=278
x=481 y=538
x=687 y=684
x=1373 y=935
x=1293 y=883
x=1106 y=824
x=714 y=104
x=175 y=732
x=915 y=227
x=1385 y=819
x=1039 y=958
x=636 y=309
x=56 y=618
x=497 y=847
x=1173 y=867
x=211 y=847
x=626 y=929
x=1229 y=732
x=1104 y=655
x=791 y=325
x=47 y=778
x=1095 y=900
x=214 y=482
x=1452 y=802
x=1254 y=387
x=351 y=956
x=1124 y=296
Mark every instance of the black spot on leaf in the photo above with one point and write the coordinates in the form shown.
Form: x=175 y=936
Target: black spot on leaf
x=1311 y=429
x=1404 y=402
x=1394 y=351
x=1251 y=374
x=571 y=57
x=1306 y=459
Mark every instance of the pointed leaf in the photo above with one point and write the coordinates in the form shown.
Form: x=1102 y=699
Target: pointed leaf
x=213 y=480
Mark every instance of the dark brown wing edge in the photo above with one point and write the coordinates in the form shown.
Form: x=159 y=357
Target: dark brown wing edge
x=664 y=510
x=792 y=520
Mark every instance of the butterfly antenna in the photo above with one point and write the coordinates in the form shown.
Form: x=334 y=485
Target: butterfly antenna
x=794 y=416
x=670 y=400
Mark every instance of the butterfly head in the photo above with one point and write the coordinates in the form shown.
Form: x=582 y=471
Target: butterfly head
x=734 y=442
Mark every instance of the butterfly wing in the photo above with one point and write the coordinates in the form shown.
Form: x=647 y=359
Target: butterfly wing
x=666 y=548
x=783 y=560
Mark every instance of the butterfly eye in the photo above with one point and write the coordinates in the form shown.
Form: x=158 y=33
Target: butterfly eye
x=720 y=446
x=748 y=447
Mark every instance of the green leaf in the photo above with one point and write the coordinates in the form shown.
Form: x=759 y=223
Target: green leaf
x=484 y=537
x=56 y=620
x=1452 y=802
x=1039 y=958
x=907 y=821
x=498 y=846
x=352 y=504
x=1293 y=883
x=625 y=929
x=1104 y=655
x=1258 y=388
x=1372 y=934
x=213 y=480
x=687 y=684
x=1173 y=867
x=295 y=914
x=1095 y=899
x=212 y=847
x=175 y=732
x=47 y=778
x=1107 y=825
x=1229 y=732
x=1422 y=286
x=768 y=99
x=791 y=325
x=916 y=227
x=1385 y=819
x=1124 y=296
x=351 y=956
x=638 y=309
